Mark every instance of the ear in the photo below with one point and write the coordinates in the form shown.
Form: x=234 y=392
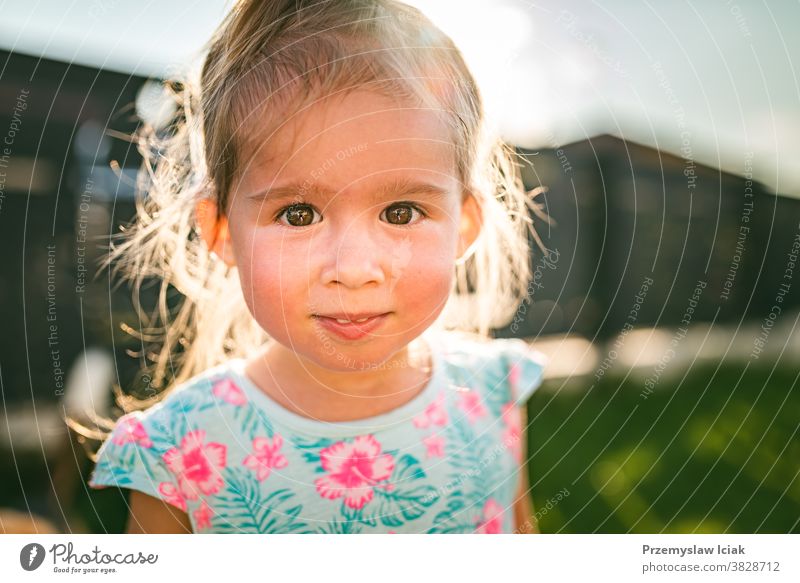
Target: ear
x=213 y=229
x=470 y=226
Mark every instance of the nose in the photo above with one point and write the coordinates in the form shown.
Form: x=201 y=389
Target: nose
x=354 y=259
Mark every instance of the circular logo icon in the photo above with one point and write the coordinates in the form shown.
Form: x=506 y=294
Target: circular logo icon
x=31 y=556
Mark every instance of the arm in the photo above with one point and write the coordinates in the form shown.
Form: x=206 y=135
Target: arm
x=523 y=509
x=150 y=515
x=523 y=506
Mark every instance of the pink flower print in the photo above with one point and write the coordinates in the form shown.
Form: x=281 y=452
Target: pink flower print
x=492 y=520
x=435 y=445
x=471 y=404
x=171 y=495
x=197 y=465
x=265 y=456
x=512 y=436
x=130 y=430
x=202 y=516
x=354 y=469
x=434 y=414
x=227 y=390
x=421 y=421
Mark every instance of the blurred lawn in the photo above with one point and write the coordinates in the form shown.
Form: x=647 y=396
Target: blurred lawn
x=718 y=453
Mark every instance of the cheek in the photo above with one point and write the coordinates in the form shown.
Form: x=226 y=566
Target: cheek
x=425 y=278
x=421 y=298
x=273 y=278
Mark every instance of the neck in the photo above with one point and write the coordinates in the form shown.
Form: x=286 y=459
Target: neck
x=312 y=391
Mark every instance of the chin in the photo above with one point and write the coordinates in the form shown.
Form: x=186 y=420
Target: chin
x=361 y=357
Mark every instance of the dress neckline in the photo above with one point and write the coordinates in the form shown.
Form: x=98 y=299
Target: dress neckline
x=405 y=412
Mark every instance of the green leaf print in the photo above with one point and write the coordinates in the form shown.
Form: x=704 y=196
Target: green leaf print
x=407 y=468
x=253 y=421
x=311 y=449
x=388 y=513
x=121 y=474
x=470 y=455
x=189 y=401
x=497 y=391
x=411 y=504
x=473 y=459
x=182 y=422
x=397 y=501
x=454 y=519
x=357 y=514
x=340 y=527
x=242 y=506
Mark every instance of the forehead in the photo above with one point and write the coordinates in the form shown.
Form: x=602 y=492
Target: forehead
x=352 y=137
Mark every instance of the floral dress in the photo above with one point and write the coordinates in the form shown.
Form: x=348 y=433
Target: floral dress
x=448 y=461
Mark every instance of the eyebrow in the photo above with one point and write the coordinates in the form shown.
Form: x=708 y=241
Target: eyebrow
x=398 y=188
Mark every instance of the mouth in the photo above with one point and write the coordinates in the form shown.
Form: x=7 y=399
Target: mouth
x=354 y=318
x=351 y=326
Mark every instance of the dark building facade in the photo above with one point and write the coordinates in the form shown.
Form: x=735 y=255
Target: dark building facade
x=645 y=238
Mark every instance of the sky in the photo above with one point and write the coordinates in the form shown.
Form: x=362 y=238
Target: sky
x=711 y=79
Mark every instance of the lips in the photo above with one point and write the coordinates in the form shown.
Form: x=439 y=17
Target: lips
x=343 y=318
x=351 y=326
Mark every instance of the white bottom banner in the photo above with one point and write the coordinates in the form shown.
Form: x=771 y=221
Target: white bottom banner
x=386 y=558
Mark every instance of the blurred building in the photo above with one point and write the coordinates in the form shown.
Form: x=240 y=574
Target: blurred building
x=67 y=181
x=625 y=214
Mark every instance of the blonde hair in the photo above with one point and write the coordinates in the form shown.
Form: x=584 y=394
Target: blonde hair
x=280 y=55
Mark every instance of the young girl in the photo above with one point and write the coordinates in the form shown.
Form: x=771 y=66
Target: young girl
x=345 y=235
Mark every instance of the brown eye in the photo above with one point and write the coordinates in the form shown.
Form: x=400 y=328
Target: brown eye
x=299 y=215
x=400 y=214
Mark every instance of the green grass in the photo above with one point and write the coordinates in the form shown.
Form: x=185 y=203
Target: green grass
x=716 y=453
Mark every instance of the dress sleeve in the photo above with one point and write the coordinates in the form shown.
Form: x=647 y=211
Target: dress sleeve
x=133 y=457
x=525 y=368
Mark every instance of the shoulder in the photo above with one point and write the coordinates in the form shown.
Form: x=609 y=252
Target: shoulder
x=512 y=362
x=195 y=403
x=146 y=448
x=198 y=393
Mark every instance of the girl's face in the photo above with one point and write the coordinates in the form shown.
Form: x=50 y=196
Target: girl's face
x=353 y=210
